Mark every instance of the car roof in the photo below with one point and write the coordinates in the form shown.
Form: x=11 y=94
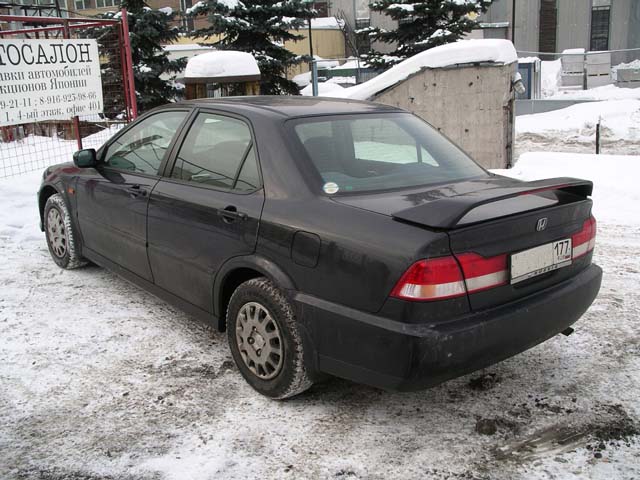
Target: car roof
x=291 y=106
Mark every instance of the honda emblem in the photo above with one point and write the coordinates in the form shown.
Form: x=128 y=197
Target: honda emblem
x=542 y=224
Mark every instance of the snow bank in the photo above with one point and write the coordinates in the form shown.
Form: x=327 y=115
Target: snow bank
x=620 y=117
x=550 y=76
x=461 y=52
x=222 y=63
x=606 y=92
x=616 y=195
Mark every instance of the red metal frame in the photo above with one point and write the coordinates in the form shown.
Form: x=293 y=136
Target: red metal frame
x=48 y=29
x=127 y=53
x=28 y=19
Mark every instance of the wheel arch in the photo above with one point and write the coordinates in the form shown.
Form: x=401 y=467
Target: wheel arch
x=45 y=192
x=239 y=270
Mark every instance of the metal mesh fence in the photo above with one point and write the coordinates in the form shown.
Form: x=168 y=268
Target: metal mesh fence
x=34 y=146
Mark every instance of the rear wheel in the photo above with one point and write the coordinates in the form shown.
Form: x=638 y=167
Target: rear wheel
x=59 y=232
x=265 y=341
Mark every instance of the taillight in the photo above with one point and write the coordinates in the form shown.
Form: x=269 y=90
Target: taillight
x=481 y=273
x=433 y=279
x=440 y=278
x=585 y=240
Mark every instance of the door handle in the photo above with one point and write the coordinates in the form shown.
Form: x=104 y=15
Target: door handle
x=231 y=214
x=136 y=191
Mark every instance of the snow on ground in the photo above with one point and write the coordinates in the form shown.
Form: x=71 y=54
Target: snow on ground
x=550 y=76
x=573 y=129
x=616 y=194
x=43 y=151
x=102 y=381
x=462 y=51
x=620 y=117
x=605 y=92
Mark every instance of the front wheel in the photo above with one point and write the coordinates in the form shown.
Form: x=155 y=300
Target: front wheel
x=265 y=341
x=60 y=236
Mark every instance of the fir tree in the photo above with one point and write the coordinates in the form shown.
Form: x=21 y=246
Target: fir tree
x=422 y=25
x=152 y=69
x=258 y=27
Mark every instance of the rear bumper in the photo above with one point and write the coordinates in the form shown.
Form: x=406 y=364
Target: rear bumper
x=399 y=356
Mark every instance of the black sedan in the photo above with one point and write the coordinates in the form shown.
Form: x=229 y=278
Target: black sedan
x=328 y=237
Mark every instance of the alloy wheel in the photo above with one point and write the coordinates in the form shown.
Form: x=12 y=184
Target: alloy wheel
x=259 y=341
x=56 y=233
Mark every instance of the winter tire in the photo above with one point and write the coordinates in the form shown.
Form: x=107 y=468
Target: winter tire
x=265 y=341
x=59 y=233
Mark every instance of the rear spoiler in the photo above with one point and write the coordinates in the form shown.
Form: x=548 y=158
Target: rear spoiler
x=445 y=213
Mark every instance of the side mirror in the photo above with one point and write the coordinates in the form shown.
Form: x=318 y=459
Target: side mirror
x=85 y=158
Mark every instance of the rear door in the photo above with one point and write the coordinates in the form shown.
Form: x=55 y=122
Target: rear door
x=113 y=198
x=207 y=207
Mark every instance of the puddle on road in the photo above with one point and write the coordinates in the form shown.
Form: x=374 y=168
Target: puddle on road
x=613 y=425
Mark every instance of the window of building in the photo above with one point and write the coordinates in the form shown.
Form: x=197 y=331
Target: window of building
x=600 y=27
x=106 y=3
x=548 y=26
x=83 y=4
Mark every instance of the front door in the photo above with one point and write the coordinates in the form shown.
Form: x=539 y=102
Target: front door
x=207 y=209
x=113 y=198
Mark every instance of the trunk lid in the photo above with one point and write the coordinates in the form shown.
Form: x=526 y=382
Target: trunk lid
x=495 y=216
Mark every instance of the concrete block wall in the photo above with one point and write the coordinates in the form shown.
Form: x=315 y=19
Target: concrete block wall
x=472 y=105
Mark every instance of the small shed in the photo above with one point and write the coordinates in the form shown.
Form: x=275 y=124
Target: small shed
x=222 y=73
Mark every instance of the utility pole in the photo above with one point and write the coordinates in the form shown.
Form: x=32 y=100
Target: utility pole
x=513 y=22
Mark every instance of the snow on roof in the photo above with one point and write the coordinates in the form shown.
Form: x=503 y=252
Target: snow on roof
x=528 y=59
x=351 y=64
x=179 y=47
x=460 y=52
x=222 y=63
x=320 y=23
x=573 y=51
x=331 y=23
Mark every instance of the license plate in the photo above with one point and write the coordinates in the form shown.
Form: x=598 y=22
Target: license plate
x=542 y=259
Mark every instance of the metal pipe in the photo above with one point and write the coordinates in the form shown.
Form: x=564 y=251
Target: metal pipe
x=513 y=23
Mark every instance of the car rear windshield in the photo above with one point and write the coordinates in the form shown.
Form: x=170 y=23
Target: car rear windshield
x=365 y=153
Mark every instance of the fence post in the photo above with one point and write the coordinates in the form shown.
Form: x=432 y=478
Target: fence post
x=314 y=77
x=598 y=136
x=127 y=53
x=76 y=120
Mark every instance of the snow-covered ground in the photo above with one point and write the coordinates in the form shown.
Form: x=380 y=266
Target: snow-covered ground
x=573 y=129
x=100 y=380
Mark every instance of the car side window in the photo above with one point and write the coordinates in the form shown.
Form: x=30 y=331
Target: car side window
x=143 y=147
x=218 y=151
